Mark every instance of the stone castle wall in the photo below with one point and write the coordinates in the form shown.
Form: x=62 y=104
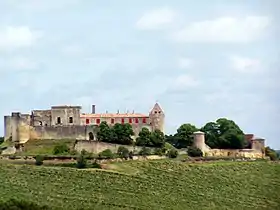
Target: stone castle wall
x=97 y=147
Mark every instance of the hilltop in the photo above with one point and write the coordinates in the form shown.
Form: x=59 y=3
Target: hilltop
x=166 y=184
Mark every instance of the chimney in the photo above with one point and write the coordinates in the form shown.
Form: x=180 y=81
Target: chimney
x=93 y=109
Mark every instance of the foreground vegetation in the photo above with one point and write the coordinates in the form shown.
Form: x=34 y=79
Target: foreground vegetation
x=146 y=185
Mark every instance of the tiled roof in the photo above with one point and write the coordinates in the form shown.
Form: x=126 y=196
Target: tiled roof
x=112 y=115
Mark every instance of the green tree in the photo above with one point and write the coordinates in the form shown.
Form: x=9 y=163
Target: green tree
x=81 y=160
x=123 y=152
x=104 y=133
x=194 y=152
x=184 y=136
x=173 y=153
x=157 y=138
x=122 y=133
x=144 y=138
x=145 y=151
x=271 y=153
x=106 y=154
x=1 y=140
x=224 y=134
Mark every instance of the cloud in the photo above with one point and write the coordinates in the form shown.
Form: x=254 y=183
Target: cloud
x=184 y=81
x=184 y=63
x=245 y=65
x=73 y=50
x=156 y=19
x=22 y=63
x=17 y=37
x=225 y=29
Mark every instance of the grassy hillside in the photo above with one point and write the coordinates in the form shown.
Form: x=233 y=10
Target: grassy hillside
x=147 y=185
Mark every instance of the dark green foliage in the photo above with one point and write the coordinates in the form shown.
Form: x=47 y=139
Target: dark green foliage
x=119 y=133
x=39 y=159
x=61 y=149
x=96 y=165
x=224 y=134
x=123 y=152
x=1 y=140
x=13 y=204
x=130 y=155
x=194 y=152
x=150 y=139
x=184 y=136
x=159 y=151
x=145 y=151
x=172 y=153
x=106 y=154
x=272 y=154
x=81 y=160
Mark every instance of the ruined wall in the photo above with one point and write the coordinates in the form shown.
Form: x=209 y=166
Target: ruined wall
x=7 y=127
x=246 y=153
x=64 y=113
x=97 y=147
x=41 y=117
x=63 y=132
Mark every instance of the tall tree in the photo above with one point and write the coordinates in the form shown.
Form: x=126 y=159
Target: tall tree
x=105 y=133
x=122 y=133
x=224 y=134
x=144 y=138
x=157 y=138
x=184 y=136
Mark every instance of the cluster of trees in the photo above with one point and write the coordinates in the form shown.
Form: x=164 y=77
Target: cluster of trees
x=121 y=134
x=222 y=134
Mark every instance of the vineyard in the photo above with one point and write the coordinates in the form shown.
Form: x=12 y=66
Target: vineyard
x=146 y=185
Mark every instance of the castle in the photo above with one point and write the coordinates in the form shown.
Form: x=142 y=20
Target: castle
x=67 y=122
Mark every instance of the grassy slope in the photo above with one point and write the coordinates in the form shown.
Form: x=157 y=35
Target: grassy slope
x=147 y=185
x=44 y=147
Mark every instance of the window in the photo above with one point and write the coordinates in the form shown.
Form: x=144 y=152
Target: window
x=155 y=112
x=87 y=121
x=122 y=120
x=70 y=119
x=130 y=120
x=144 y=120
x=136 y=120
x=58 y=120
x=98 y=121
x=112 y=121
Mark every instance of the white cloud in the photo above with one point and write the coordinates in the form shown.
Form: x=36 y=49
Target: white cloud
x=245 y=65
x=72 y=50
x=225 y=29
x=156 y=19
x=184 y=63
x=22 y=63
x=18 y=37
x=184 y=81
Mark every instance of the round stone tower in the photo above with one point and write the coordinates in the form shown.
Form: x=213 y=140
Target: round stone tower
x=157 y=118
x=199 y=140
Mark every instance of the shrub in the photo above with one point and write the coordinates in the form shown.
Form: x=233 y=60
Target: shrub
x=61 y=149
x=145 y=151
x=96 y=165
x=159 y=151
x=21 y=205
x=172 y=153
x=194 y=152
x=123 y=152
x=81 y=160
x=39 y=159
x=130 y=155
x=106 y=154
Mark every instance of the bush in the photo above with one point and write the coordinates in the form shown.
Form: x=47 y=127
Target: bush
x=61 y=149
x=1 y=140
x=39 y=159
x=96 y=165
x=194 y=152
x=81 y=160
x=123 y=152
x=159 y=151
x=21 y=205
x=172 y=153
x=106 y=154
x=145 y=151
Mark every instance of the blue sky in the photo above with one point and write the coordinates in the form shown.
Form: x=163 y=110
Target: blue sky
x=201 y=60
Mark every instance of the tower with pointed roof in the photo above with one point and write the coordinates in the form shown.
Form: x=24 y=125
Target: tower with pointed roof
x=156 y=116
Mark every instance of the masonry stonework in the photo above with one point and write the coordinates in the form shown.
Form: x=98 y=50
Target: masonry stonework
x=67 y=122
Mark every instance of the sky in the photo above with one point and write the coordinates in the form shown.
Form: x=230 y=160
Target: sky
x=201 y=60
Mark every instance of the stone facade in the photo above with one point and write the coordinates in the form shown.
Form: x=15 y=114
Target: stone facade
x=66 y=122
x=256 y=149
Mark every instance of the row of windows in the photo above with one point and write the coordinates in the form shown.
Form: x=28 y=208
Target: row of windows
x=136 y=120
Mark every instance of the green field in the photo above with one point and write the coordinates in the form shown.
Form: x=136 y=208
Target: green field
x=147 y=185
